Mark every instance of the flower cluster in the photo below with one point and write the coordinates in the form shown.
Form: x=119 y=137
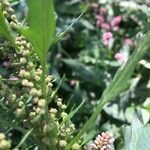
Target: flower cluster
x=106 y=38
x=109 y=25
x=44 y=112
x=103 y=23
x=9 y=13
x=103 y=141
x=100 y=14
x=4 y=143
x=120 y=57
x=129 y=42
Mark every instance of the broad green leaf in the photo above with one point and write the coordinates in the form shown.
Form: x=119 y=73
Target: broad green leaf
x=5 y=30
x=137 y=135
x=129 y=113
x=41 y=21
x=86 y=73
x=118 y=84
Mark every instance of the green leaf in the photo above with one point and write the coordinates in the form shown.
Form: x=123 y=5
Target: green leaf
x=118 y=84
x=86 y=73
x=24 y=138
x=5 y=30
x=72 y=113
x=129 y=113
x=53 y=94
x=42 y=22
x=137 y=135
x=89 y=136
x=121 y=79
x=61 y=35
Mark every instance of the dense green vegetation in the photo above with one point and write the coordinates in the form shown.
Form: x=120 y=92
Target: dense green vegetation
x=74 y=75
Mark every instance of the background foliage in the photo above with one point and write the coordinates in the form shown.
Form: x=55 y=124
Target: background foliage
x=89 y=65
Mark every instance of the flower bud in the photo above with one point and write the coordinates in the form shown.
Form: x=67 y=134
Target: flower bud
x=39 y=71
x=2 y=136
x=59 y=103
x=48 y=78
x=62 y=143
x=42 y=103
x=63 y=107
x=5 y=145
x=63 y=114
x=21 y=103
x=13 y=17
x=23 y=60
x=76 y=146
x=53 y=110
x=32 y=114
x=19 y=112
x=30 y=64
x=25 y=82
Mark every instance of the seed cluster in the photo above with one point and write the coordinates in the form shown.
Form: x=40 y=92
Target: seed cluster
x=8 y=12
x=4 y=143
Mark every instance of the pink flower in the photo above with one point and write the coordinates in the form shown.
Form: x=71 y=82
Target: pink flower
x=105 y=26
x=6 y=64
x=129 y=41
x=73 y=82
x=116 y=21
x=102 y=11
x=120 y=57
x=13 y=78
x=94 y=5
x=106 y=38
x=99 y=20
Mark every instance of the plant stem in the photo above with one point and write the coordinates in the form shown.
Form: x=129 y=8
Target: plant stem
x=43 y=79
x=88 y=123
x=44 y=93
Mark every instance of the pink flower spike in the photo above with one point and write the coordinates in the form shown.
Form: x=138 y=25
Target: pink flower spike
x=105 y=26
x=106 y=38
x=120 y=57
x=129 y=41
x=116 y=21
x=102 y=142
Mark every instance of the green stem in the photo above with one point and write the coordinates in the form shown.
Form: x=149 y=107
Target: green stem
x=44 y=93
x=43 y=79
x=88 y=123
x=24 y=139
